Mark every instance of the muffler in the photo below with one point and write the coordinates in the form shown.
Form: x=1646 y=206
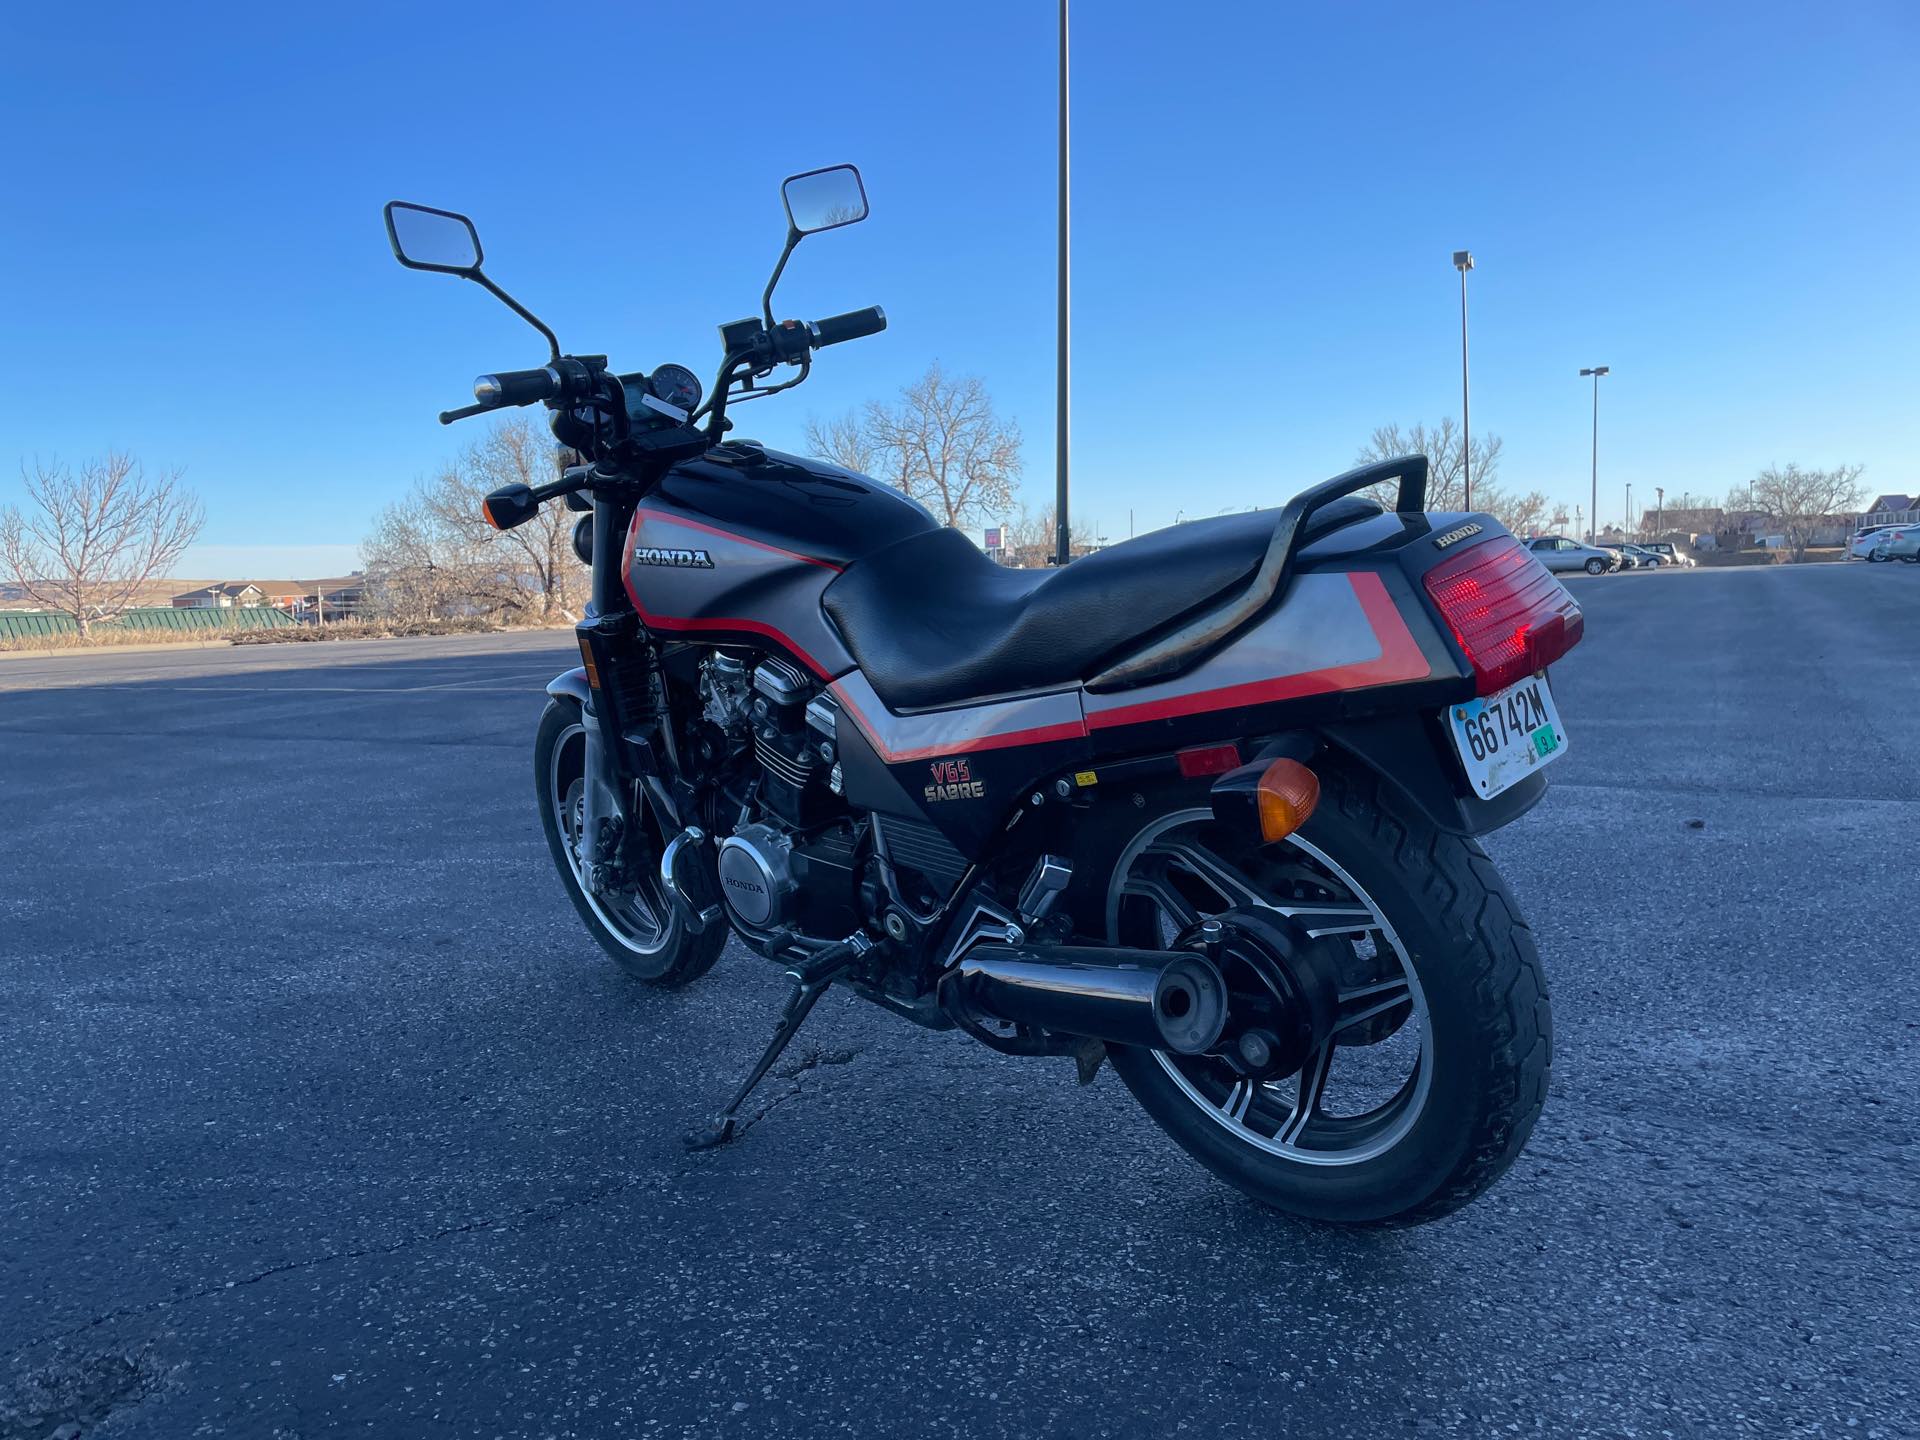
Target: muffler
x=1163 y=1000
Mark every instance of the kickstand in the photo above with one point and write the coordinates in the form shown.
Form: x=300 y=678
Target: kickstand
x=811 y=979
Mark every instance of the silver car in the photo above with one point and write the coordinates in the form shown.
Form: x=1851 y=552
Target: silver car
x=1560 y=554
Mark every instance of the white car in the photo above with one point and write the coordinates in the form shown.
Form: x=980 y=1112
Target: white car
x=1897 y=542
x=1669 y=552
x=1877 y=542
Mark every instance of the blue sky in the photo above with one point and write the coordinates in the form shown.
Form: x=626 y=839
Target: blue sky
x=1722 y=203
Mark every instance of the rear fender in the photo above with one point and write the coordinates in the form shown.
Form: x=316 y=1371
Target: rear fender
x=1405 y=751
x=1409 y=751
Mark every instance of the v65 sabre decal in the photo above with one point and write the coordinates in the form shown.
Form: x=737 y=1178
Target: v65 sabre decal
x=953 y=781
x=672 y=556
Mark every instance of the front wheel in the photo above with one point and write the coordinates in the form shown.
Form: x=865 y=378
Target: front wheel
x=636 y=924
x=1434 y=1074
x=1596 y=567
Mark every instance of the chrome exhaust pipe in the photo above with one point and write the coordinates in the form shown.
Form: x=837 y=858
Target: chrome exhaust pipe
x=1158 y=999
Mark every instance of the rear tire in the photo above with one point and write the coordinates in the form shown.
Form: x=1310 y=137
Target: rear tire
x=642 y=930
x=1480 y=1014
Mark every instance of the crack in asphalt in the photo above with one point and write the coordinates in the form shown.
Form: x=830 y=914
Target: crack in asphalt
x=813 y=1061
x=525 y=1215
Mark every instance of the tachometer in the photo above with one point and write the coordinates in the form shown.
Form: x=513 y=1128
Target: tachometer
x=676 y=385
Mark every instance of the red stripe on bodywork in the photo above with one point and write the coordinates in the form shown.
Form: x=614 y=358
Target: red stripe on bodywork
x=752 y=627
x=665 y=519
x=1399 y=660
x=1038 y=735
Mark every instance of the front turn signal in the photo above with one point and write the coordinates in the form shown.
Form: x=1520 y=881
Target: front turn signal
x=1285 y=798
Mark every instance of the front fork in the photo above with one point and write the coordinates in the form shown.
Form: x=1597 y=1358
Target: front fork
x=610 y=617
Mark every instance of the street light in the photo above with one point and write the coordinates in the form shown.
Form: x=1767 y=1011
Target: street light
x=1593 y=515
x=1629 y=526
x=1659 y=511
x=1463 y=262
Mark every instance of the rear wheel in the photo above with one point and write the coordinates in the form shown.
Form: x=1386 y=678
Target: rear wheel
x=637 y=924
x=1437 y=1067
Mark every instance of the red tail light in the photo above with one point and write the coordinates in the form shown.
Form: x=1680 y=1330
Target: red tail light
x=1509 y=614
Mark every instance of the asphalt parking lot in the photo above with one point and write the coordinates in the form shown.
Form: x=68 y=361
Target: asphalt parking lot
x=322 y=1115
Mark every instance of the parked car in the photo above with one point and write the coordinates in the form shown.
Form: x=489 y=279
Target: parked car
x=1670 y=553
x=1643 y=558
x=1560 y=554
x=1866 y=541
x=1898 y=542
x=1622 y=559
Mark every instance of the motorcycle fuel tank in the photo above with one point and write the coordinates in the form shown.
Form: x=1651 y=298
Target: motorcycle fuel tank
x=739 y=545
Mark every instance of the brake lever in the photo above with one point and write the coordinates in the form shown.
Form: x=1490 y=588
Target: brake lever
x=447 y=417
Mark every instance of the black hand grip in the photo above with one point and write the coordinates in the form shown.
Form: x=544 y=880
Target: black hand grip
x=850 y=326
x=517 y=387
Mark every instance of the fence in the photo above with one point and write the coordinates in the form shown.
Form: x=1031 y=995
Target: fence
x=47 y=625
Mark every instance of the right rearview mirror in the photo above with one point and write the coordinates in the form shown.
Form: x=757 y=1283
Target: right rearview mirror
x=424 y=238
x=824 y=199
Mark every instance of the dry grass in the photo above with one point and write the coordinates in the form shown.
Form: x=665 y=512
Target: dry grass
x=110 y=638
x=364 y=630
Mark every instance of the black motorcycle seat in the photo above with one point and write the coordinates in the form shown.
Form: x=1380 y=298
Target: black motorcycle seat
x=932 y=621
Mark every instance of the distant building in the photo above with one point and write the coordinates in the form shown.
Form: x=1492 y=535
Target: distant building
x=335 y=599
x=1892 y=510
x=221 y=595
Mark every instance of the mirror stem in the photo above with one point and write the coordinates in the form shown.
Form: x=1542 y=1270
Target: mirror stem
x=766 y=299
x=480 y=278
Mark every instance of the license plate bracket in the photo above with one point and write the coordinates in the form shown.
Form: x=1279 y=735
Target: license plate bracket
x=1504 y=737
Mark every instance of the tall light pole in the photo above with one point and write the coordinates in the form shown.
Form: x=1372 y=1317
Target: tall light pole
x=1463 y=262
x=1593 y=514
x=1659 y=511
x=1628 y=527
x=1061 y=552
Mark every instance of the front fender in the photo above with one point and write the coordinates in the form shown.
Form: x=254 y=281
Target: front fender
x=571 y=685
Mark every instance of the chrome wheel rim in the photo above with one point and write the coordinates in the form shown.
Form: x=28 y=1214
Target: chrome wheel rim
x=641 y=919
x=1167 y=867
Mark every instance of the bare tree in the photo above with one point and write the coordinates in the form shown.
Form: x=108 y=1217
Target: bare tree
x=844 y=441
x=434 y=554
x=1441 y=445
x=1037 y=529
x=1446 y=483
x=99 y=535
x=1799 y=501
x=941 y=444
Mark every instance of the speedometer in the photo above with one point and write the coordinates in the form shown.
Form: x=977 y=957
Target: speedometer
x=676 y=385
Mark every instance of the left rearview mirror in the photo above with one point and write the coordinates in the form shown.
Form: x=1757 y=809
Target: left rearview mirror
x=424 y=238
x=824 y=199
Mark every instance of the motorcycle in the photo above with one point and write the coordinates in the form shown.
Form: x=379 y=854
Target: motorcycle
x=1202 y=805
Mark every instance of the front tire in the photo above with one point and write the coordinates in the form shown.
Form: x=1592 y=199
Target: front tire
x=1596 y=567
x=1475 y=1017
x=639 y=927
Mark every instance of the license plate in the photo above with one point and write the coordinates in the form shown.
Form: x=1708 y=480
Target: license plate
x=1505 y=737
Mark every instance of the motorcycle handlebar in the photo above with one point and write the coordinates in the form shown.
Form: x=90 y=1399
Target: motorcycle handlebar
x=850 y=326
x=517 y=387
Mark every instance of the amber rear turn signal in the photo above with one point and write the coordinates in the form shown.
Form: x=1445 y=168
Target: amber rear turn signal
x=1287 y=792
